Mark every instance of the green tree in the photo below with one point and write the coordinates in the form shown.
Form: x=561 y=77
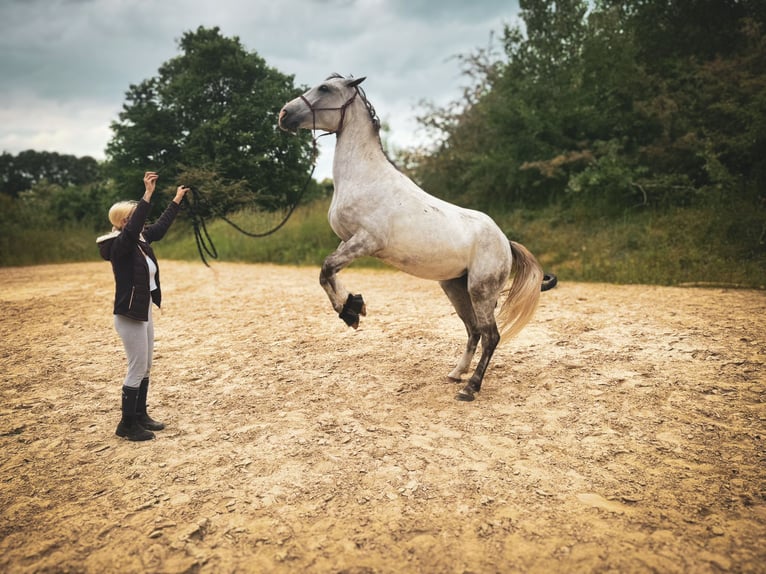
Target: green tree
x=20 y=172
x=672 y=31
x=209 y=119
x=611 y=105
x=522 y=108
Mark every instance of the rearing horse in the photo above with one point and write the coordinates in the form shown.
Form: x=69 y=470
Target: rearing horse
x=377 y=211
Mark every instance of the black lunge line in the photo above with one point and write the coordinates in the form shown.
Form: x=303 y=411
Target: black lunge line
x=202 y=236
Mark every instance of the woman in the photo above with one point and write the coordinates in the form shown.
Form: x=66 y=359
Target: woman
x=137 y=286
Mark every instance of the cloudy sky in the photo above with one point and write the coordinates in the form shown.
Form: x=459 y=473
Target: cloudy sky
x=65 y=65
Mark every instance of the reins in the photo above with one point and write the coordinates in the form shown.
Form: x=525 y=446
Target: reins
x=201 y=235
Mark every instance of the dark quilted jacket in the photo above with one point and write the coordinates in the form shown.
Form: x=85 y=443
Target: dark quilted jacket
x=131 y=272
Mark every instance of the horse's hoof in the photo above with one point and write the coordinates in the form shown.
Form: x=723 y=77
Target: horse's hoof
x=454 y=380
x=465 y=395
x=356 y=304
x=350 y=318
x=352 y=308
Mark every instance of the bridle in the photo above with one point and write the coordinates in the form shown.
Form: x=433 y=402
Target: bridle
x=342 y=110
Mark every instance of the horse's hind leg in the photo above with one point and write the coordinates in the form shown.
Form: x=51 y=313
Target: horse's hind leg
x=483 y=295
x=457 y=292
x=490 y=337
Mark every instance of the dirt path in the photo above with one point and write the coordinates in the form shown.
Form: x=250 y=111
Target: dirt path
x=622 y=431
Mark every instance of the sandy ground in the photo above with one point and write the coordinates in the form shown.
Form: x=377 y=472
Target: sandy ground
x=622 y=431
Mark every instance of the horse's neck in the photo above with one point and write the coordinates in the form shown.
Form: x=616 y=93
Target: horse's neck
x=358 y=150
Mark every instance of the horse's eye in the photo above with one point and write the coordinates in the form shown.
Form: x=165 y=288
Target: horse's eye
x=323 y=88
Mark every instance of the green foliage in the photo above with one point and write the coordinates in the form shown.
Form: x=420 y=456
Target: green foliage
x=87 y=205
x=625 y=101
x=19 y=173
x=31 y=231
x=53 y=188
x=45 y=204
x=210 y=119
x=667 y=32
x=607 y=182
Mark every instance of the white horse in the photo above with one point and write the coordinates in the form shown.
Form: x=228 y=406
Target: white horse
x=377 y=211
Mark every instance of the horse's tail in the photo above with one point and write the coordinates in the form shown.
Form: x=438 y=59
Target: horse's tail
x=524 y=293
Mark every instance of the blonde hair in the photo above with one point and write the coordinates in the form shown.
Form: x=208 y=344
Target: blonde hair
x=119 y=212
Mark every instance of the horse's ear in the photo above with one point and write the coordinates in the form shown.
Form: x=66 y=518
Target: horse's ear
x=355 y=82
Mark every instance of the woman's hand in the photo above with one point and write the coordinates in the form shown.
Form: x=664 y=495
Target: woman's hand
x=180 y=192
x=150 y=181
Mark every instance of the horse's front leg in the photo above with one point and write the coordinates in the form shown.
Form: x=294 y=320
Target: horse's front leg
x=348 y=306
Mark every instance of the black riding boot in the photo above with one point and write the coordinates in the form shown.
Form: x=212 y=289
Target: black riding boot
x=129 y=426
x=146 y=421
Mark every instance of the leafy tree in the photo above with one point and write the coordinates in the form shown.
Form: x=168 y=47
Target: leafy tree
x=669 y=31
x=21 y=172
x=521 y=109
x=611 y=105
x=706 y=99
x=209 y=119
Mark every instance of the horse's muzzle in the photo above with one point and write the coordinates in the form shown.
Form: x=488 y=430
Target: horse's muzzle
x=284 y=123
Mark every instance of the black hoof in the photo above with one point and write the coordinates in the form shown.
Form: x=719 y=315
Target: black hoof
x=353 y=307
x=356 y=304
x=549 y=282
x=350 y=318
x=465 y=395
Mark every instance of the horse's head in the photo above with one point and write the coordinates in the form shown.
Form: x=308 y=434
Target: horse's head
x=323 y=107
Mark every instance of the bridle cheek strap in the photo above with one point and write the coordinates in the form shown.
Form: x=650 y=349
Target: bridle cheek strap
x=342 y=110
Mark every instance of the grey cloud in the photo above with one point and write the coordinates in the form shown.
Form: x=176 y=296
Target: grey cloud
x=86 y=53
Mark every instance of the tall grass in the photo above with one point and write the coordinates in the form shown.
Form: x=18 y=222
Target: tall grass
x=675 y=247
x=53 y=244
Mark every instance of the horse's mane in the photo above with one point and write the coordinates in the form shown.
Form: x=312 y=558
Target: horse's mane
x=370 y=109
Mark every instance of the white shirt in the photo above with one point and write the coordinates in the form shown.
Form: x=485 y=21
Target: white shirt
x=152 y=273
